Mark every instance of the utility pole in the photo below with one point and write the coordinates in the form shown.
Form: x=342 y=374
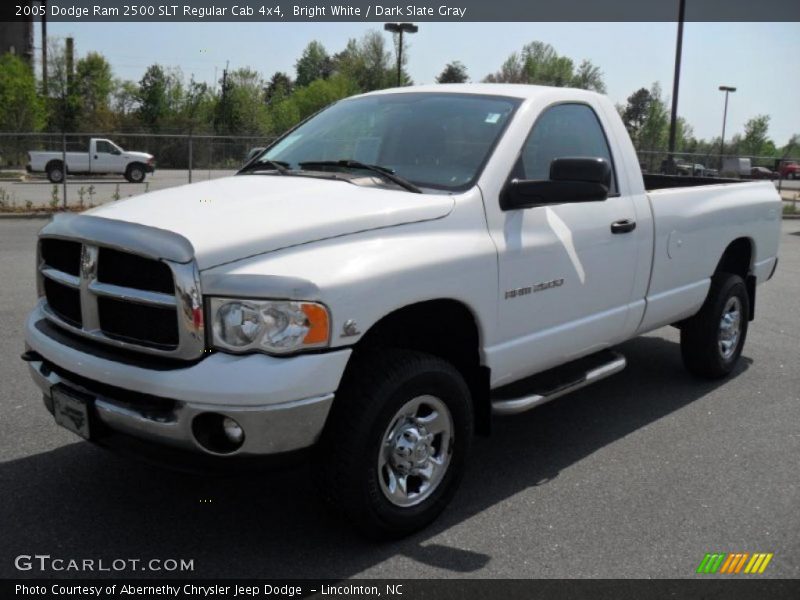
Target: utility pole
x=400 y=28
x=676 y=80
x=70 y=56
x=727 y=89
x=44 y=48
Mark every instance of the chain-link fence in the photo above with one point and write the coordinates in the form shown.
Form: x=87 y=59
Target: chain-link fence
x=179 y=159
x=185 y=158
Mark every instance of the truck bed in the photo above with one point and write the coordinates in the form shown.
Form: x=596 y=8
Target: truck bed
x=693 y=225
x=655 y=181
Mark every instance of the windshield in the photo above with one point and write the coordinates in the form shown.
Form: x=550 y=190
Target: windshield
x=437 y=140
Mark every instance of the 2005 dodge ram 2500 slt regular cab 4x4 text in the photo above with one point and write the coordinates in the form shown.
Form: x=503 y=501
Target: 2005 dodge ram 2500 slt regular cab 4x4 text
x=381 y=280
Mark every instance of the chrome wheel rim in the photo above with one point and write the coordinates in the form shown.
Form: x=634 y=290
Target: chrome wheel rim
x=136 y=174
x=415 y=451
x=56 y=174
x=730 y=326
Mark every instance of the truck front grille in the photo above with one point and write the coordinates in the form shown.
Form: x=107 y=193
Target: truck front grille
x=129 y=270
x=64 y=301
x=138 y=323
x=62 y=255
x=120 y=298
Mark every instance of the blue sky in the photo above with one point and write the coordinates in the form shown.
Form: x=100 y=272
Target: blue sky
x=760 y=59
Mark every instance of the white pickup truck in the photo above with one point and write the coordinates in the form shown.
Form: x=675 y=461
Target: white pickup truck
x=382 y=280
x=103 y=158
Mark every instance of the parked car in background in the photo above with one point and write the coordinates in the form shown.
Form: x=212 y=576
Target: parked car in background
x=790 y=170
x=711 y=173
x=103 y=157
x=691 y=169
x=737 y=166
x=763 y=173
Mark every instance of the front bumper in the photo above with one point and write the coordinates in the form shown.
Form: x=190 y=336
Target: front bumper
x=280 y=403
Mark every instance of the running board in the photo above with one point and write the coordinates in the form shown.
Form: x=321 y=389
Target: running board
x=534 y=391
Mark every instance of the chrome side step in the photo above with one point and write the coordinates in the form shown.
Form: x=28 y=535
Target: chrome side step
x=536 y=390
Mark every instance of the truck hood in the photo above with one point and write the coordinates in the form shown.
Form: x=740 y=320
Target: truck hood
x=235 y=217
x=143 y=156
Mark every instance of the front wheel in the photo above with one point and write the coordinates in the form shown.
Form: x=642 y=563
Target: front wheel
x=135 y=173
x=712 y=340
x=55 y=172
x=394 y=448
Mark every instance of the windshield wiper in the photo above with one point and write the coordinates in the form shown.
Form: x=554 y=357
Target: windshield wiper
x=266 y=165
x=385 y=172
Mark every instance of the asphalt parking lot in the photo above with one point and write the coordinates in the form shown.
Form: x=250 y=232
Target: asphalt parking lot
x=637 y=476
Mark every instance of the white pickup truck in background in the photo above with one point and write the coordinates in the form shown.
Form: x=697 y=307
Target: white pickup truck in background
x=382 y=280
x=103 y=158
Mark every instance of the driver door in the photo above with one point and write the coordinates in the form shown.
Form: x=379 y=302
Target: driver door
x=566 y=280
x=105 y=158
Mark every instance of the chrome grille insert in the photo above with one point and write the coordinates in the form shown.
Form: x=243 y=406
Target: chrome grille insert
x=125 y=316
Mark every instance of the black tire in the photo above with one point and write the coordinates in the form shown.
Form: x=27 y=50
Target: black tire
x=135 y=173
x=55 y=172
x=703 y=347
x=352 y=446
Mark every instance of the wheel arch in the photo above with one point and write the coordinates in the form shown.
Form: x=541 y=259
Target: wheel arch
x=737 y=258
x=443 y=327
x=53 y=162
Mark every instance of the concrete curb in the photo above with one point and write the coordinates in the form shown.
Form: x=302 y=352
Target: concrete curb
x=30 y=215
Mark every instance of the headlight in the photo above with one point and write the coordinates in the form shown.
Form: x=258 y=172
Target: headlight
x=272 y=326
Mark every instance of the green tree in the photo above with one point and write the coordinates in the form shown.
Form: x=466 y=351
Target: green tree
x=453 y=72
x=64 y=101
x=588 y=76
x=539 y=63
x=634 y=112
x=755 y=141
x=654 y=129
x=21 y=108
x=367 y=62
x=241 y=108
x=94 y=84
x=153 y=97
x=313 y=64
x=280 y=85
x=307 y=100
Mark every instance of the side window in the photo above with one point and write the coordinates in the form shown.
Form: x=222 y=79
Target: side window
x=103 y=147
x=564 y=130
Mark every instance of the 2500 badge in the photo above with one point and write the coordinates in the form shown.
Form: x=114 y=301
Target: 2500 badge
x=536 y=287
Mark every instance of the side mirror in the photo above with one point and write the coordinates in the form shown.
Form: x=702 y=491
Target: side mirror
x=571 y=180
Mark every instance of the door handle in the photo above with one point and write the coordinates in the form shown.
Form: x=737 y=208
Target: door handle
x=623 y=226
x=95 y=156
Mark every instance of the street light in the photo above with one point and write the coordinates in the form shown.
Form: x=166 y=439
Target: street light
x=400 y=28
x=727 y=89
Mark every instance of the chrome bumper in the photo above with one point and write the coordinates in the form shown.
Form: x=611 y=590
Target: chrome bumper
x=270 y=429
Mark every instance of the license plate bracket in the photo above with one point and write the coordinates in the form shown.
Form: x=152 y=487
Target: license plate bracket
x=71 y=410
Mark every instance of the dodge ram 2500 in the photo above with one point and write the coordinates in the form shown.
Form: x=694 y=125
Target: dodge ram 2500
x=383 y=279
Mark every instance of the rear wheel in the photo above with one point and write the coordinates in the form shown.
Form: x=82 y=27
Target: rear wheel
x=394 y=447
x=712 y=340
x=135 y=173
x=55 y=172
